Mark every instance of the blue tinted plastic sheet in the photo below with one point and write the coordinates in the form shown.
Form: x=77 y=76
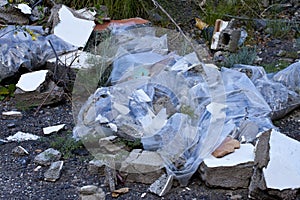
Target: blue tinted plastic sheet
x=19 y=48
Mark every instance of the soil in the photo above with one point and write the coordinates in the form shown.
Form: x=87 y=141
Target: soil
x=18 y=180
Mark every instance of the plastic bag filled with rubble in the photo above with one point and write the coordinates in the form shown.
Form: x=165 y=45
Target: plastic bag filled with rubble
x=27 y=47
x=280 y=90
x=174 y=104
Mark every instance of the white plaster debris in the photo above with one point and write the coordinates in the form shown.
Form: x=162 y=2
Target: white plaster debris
x=242 y=155
x=217 y=110
x=143 y=97
x=101 y=119
x=71 y=29
x=87 y=13
x=283 y=170
x=53 y=129
x=113 y=127
x=21 y=136
x=31 y=81
x=76 y=59
x=12 y=113
x=24 y=8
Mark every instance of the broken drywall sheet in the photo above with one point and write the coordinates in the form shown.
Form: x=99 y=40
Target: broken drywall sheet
x=73 y=30
x=24 y=8
x=31 y=81
x=53 y=129
x=283 y=169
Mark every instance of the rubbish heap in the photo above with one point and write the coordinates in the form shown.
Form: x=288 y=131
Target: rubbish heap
x=176 y=105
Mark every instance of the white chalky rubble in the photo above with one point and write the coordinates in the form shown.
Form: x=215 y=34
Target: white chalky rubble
x=31 y=81
x=24 y=8
x=283 y=169
x=11 y=114
x=242 y=155
x=21 y=136
x=53 y=129
x=73 y=30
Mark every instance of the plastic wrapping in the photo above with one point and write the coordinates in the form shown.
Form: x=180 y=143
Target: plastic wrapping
x=176 y=105
x=281 y=92
x=27 y=47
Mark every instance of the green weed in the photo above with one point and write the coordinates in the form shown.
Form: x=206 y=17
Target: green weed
x=7 y=91
x=246 y=55
x=275 y=66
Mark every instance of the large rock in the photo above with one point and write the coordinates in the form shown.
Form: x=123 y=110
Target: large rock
x=142 y=166
x=231 y=171
x=276 y=172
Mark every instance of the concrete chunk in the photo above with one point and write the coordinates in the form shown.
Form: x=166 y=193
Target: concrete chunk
x=277 y=164
x=231 y=171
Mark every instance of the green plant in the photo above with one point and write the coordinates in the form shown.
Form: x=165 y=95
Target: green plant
x=7 y=91
x=246 y=55
x=66 y=145
x=275 y=66
x=279 y=28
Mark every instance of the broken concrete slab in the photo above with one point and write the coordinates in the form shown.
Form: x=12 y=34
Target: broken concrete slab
x=142 y=166
x=12 y=114
x=21 y=136
x=19 y=151
x=47 y=157
x=231 y=171
x=276 y=171
x=80 y=29
x=91 y=192
x=24 y=8
x=53 y=129
x=226 y=147
x=54 y=171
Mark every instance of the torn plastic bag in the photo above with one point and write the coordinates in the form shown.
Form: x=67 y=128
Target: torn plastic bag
x=27 y=47
x=282 y=99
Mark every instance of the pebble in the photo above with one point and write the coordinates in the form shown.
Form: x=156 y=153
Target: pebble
x=11 y=125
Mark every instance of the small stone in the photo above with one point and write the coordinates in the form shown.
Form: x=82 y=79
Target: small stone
x=228 y=146
x=53 y=173
x=37 y=168
x=120 y=191
x=96 y=167
x=97 y=195
x=47 y=157
x=11 y=125
x=19 y=151
x=88 y=189
x=281 y=53
x=12 y=115
x=143 y=195
x=162 y=185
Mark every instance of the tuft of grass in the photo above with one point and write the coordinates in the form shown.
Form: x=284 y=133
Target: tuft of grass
x=279 y=29
x=275 y=66
x=66 y=145
x=246 y=55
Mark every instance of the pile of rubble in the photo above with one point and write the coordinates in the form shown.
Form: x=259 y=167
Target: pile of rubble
x=185 y=116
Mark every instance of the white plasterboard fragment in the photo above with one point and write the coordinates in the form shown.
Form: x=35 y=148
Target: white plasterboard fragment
x=211 y=65
x=12 y=113
x=109 y=138
x=77 y=59
x=53 y=129
x=142 y=96
x=31 y=81
x=283 y=170
x=101 y=119
x=73 y=30
x=186 y=63
x=21 y=136
x=24 y=8
x=242 y=155
x=113 y=127
x=217 y=110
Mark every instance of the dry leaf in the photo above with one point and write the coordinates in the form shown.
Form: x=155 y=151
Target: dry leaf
x=200 y=24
